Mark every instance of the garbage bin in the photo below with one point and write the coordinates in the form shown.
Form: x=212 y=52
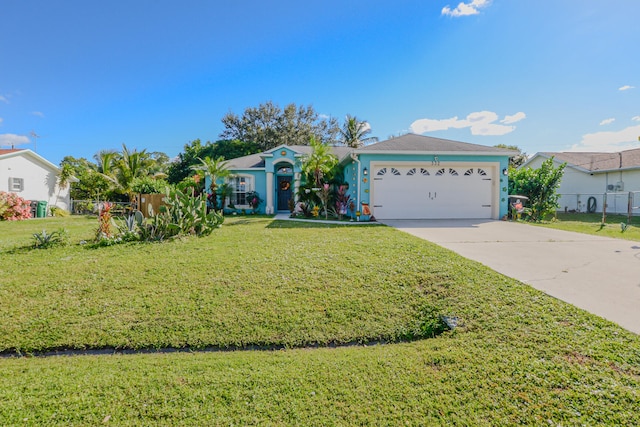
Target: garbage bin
x=42 y=209
x=33 y=207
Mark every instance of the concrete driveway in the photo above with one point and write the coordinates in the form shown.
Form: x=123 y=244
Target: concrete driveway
x=598 y=274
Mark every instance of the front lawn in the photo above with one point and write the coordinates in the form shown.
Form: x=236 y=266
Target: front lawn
x=253 y=283
x=592 y=224
x=521 y=357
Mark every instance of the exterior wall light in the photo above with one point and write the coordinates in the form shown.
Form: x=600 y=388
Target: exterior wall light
x=505 y=171
x=365 y=172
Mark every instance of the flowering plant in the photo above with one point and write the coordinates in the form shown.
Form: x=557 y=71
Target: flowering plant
x=253 y=200
x=14 y=207
x=343 y=201
x=105 y=222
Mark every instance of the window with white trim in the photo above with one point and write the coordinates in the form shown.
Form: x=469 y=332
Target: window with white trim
x=16 y=185
x=241 y=186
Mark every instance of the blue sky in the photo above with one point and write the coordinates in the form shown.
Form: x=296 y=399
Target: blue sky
x=545 y=75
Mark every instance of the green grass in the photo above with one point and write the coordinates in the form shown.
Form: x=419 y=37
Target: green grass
x=252 y=283
x=521 y=358
x=592 y=224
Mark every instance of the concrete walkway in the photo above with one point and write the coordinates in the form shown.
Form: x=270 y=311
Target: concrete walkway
x=598 y=274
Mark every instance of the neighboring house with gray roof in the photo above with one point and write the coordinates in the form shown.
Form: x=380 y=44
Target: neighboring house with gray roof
x=408 y=177
x=589 y=175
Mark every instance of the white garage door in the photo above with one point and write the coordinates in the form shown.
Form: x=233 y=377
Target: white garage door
x=431 y=192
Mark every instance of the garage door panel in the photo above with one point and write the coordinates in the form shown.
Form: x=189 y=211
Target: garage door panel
x=431 y=192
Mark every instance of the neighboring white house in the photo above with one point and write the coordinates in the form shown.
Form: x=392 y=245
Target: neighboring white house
x=32 y=177
x=591 y=175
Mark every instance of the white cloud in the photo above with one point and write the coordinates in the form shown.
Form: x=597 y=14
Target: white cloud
x=4 y=99
x=479 y=123
x=607 y=121
x=636 y=118
x=513 y=119
x=624 y=139
x=37 y=114
x=626 y=87
x=1 y=120
x=10 y=139
x=465 y=9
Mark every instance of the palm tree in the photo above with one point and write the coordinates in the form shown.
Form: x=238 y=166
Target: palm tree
x=214 y=169
x=319 y=163
x=64 y=178
x=128 y=166
x=122 y=168
x=354 y=132
x=106 y=159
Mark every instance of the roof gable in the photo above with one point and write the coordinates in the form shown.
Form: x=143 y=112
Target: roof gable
x=596 y=162
x=5 y=154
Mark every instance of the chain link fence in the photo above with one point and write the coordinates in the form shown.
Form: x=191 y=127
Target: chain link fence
x=620 y=203
x=93 y=207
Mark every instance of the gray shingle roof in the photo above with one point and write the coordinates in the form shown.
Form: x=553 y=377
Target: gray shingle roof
x=255 y=161
x=405 y=143
x=414 y=143
x=594 y=162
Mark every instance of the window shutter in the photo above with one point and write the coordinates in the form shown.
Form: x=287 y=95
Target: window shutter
x=16 y=185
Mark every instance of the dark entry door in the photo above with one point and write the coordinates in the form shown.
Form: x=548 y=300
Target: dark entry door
x=284 y=192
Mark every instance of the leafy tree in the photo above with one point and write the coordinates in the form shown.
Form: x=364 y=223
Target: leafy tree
x=539 y=185
x=232 y=149
x=181 y=168
x=160 y=164
x=516 y=160
x=354 y=132
x=91 y=185
x=228 y=149
x=148 y=185
x=269 y=126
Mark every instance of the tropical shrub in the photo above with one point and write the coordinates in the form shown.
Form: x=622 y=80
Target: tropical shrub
x=46 y=240
x=59 y=212
x=540 y=186
x=254 y=200
x=13 y=207
x=343 y=201
x=105 y=223
x=148 y=185
x=193 y=185
x=182 y=214
x=325 y=195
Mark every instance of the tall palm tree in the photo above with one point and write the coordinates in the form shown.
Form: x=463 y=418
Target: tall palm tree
x=214 y=169
x=354 y=132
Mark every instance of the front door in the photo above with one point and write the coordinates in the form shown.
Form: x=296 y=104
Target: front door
x=284 y=192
